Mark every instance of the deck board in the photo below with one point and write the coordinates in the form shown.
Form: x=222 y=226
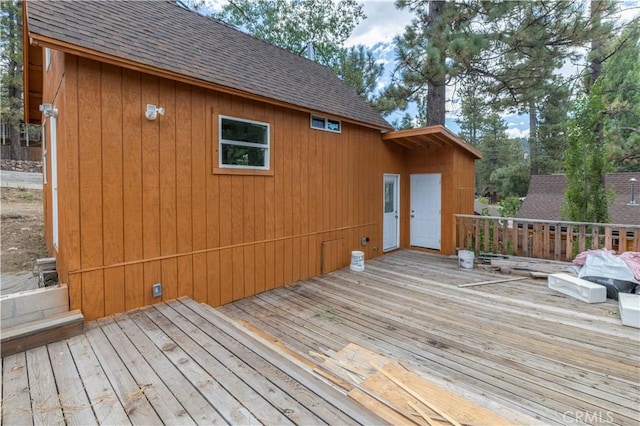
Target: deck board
x=528 y=353
x=518 y=345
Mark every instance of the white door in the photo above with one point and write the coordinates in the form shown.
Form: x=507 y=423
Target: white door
x=426 y=195
x=391 y=222
x=54 y=179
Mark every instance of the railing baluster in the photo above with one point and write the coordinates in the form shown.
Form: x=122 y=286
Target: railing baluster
x=608 y=238
x=569 y=254
x=557 y=248
x=582 y=238
x=622 y=240
x=514 y=238
x=595 y=236
x=486 y=235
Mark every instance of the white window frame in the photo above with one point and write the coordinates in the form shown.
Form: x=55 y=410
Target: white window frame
x=326 y=122
x=221 y=141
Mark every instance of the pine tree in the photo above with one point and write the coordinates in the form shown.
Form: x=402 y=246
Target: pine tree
x=586 y=164
x=11 y=106
x=621 y=93
x=434 y=49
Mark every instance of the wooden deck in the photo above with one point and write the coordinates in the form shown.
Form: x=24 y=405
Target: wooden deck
x=176 y=363
x=529 y=354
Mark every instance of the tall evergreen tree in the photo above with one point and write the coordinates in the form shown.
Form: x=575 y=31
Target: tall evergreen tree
x=473 y=111
x=11 y=107
x=621 y=92
x=551 y=139
x=433 y=49
x=586 y=161
x=358 y=68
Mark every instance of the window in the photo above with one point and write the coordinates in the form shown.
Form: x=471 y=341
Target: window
x=47 y=58
x=244 y=144
x=322 y=123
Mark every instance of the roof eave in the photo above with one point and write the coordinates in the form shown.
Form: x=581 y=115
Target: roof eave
x=403 y=136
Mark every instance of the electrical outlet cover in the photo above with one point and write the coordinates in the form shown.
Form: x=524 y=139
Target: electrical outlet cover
x=156 y=290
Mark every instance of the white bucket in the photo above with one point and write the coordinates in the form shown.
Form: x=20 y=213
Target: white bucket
x=465 y=259
x=357 y=261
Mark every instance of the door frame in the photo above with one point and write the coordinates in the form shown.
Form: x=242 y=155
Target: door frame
x=396 y=177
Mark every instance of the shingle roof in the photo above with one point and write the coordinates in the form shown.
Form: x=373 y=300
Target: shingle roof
x=162 y=35
x=546 y=195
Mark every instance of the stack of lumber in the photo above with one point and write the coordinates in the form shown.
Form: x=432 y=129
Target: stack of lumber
x=527 y=267
x=398 y=394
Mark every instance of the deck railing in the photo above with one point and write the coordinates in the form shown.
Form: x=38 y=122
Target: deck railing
x=542 y=239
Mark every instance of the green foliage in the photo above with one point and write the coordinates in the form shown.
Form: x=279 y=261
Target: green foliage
x=586 y=163
x=621 y=94
x=509 y=206
x=473 y=110
x=358 y=68
x=292 y=24
x=552 y=115
x=513 y=178
x=11 y=63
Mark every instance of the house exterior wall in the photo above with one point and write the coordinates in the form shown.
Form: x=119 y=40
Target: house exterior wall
x=53 y=93
x=142 y=204
x=458 y=181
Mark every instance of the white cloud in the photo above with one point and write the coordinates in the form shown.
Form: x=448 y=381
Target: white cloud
x=516 y=133
x=382 y=24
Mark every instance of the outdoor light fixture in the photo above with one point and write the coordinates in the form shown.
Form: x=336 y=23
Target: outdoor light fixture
x=633 y=201
x=152 y=112
x=48 y=110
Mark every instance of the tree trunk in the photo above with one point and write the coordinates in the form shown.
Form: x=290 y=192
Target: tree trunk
x=13 y=78
x=534 y=152
x=436 y=101
x=437 y=89
x=597 y=8
x=14 y=135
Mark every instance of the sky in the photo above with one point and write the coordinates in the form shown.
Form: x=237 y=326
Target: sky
x=384 y=22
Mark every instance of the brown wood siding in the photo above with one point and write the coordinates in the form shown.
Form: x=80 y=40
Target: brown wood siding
x=150 y=208
x=457 y=169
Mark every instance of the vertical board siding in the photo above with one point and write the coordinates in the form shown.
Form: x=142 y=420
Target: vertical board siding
x=112 y=177
x=152 y=209
x=132 y=187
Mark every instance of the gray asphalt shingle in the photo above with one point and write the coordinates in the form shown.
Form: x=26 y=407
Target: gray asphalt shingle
x=163 y=35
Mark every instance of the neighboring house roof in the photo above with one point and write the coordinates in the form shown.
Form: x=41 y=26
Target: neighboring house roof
x=546 y=195
x=479 y=208
x=160 y=35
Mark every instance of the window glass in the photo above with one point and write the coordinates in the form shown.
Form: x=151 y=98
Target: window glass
x=244 y=143
x=317 y=122
x=388 y=197
x=323 y=123
x=333 y=125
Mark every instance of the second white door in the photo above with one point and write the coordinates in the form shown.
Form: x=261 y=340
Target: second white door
x=426 y=195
